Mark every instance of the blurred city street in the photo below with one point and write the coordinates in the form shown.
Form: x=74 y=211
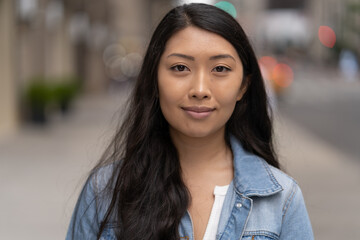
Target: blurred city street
x=67 y=67
x=318 y=144
x=43 y=169
x=327 y=105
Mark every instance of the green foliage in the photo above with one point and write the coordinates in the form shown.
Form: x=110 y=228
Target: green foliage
x=44 y=92
x=353 y=7
x=64 y=92
x=38 y=92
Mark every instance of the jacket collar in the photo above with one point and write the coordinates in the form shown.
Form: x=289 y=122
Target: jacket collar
x=252 y=174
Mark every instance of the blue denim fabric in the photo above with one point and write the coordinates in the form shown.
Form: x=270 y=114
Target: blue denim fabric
x=262 y=203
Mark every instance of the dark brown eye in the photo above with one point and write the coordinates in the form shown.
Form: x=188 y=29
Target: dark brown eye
x=179 y=68
x=221 y=69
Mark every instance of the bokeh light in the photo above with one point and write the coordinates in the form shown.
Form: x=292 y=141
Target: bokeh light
x=130 y=64
x=227 y=7
x=327 y=36
x=268 y=61
x=267 y=64
x=282 y=75
x=113 y=52
x=279 y=75
x=180 y=2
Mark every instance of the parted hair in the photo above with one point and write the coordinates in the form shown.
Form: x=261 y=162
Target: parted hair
x=146 y=193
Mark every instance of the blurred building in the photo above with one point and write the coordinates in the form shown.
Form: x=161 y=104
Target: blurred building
x=102 y=42
x=291 y=27
x=8 y=112
x=343 y=16
x=98 y=41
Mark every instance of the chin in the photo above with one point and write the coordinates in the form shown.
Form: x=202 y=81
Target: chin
x=198 y=133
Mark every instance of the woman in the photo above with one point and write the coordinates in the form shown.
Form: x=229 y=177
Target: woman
x=194 y=157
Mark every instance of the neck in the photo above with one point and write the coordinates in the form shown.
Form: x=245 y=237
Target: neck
x=202 y=152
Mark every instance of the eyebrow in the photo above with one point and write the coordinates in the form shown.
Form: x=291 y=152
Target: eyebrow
x=182 y=56
x=220 y=56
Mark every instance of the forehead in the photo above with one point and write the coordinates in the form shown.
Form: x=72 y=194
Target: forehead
x=194 y=40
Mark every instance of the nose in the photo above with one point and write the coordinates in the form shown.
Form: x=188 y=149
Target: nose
x=200 y=86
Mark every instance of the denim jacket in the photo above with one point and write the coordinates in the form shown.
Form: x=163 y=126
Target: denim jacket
x=262 y=203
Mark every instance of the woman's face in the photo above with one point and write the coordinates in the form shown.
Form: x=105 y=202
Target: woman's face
x=199 y=79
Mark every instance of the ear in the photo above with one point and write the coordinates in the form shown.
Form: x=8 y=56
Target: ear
x=243 y=88
x=241 y=93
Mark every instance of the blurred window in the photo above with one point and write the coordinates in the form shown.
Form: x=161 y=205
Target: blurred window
x=298 y=4
x=26 y=9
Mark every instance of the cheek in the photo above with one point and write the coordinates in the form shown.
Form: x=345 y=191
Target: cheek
x=166 y=104
x=228 y=95
x=170 y=110
x=169 y=88
x=169 y=99
x=227 y=100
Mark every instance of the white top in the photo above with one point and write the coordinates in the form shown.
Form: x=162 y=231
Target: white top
x=212 y=226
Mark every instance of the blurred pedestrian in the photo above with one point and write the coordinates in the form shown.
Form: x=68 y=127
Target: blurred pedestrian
x=194 y=158
x=348 y=65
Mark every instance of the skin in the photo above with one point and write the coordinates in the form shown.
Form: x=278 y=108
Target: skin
x=200 y=68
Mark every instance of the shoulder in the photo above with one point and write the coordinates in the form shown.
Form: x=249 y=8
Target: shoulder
x=101 y=178
x=287 y=183
x=92 y=204
x=291 y=191
x=295 y=221
x=97 y=191
x=281 y=188
x=281 y=211
x=255 y=177
x=100 y=186
x=292 y=195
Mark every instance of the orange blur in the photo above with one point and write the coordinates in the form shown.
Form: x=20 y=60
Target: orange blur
x=280 y=75
x=327 y=36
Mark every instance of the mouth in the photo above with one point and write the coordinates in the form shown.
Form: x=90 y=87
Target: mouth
x=198 y=112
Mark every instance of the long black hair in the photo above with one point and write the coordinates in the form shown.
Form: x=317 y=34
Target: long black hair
x=147 y=195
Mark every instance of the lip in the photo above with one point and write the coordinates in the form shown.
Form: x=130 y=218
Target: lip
x=198 y=112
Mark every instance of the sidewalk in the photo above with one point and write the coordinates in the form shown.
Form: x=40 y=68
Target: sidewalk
x=329 y=180
x=42 y=172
